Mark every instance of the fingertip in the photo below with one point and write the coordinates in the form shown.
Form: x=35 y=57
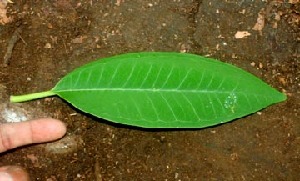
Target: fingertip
x=11 y=173
x=47 y=129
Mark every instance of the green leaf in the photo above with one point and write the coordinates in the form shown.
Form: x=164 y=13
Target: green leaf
x=163 y=90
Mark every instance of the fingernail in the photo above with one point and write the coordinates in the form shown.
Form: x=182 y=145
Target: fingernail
x=5 y=176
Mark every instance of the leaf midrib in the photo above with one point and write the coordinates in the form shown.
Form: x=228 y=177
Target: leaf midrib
x=146 y=90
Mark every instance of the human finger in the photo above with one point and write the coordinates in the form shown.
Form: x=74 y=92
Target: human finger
x=13 y=173
x=13 y=135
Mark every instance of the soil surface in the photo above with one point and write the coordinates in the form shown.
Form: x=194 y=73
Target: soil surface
x=54 y=37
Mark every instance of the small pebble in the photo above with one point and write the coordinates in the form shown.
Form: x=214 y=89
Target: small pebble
x=48 y=45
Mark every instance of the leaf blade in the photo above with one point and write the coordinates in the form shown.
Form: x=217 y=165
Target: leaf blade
x=165 y=90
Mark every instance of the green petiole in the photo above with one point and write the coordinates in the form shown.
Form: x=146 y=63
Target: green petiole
x=28 y=97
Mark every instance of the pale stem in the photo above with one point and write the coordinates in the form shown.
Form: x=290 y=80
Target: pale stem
x=28 y=97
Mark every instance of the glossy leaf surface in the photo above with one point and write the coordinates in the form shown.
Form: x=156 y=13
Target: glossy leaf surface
x=165 y=90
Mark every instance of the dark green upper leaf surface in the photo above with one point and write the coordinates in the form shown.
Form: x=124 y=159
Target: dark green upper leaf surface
x=165 y=90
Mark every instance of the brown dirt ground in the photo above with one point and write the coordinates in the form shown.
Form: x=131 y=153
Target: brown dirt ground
x=60 y=35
